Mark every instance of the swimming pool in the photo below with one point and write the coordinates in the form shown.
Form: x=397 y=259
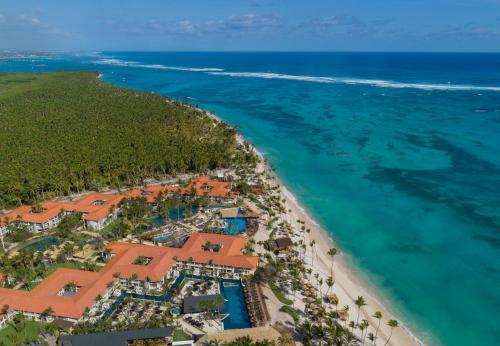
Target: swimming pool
x=175 y=214
x=234 y=305
x=43 y=244
x=235 y=226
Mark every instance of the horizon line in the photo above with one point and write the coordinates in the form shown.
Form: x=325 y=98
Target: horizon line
x=250 y=51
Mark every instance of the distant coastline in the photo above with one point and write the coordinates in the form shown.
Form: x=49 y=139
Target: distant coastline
x=18 y=55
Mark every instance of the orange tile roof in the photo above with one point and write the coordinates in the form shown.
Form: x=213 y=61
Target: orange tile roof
x=201 y=186
x=50 y=209
x=95 y=283
x=204 y=186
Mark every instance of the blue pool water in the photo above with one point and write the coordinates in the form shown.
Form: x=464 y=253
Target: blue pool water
x=235 y=226
x=157 y=220
x=396 y=155
x=43 y=244
x=235 y=305
x=174 y=214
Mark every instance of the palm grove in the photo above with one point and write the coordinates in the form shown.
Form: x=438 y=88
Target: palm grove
x=67 y=132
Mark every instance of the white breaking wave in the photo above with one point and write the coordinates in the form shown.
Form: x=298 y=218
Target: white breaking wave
x=118 y=62
x=180 y=68
x=372 y=82
x=315 y=79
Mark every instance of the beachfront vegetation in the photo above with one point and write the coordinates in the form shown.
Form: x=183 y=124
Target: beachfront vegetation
x=66 y=132
x=292 y=312
x=281 y=297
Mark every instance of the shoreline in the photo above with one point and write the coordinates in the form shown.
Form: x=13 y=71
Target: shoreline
x=348 y=285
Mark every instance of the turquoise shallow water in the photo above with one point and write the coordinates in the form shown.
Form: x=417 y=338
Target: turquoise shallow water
x=396 y=155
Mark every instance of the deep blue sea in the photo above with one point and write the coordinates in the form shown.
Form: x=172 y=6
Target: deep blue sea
x=396 y=155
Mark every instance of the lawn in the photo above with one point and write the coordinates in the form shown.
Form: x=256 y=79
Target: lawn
x=180 y=335
x=71 y=265
x=292 y=312
x=9 y=336
x=281 y=297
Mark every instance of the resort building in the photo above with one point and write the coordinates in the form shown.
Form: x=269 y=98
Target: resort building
x=70 y=295
x=215 y=190
x=100 y=209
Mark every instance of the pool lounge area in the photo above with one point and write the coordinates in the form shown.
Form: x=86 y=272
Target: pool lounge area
x=232 y=290
x=154 y=298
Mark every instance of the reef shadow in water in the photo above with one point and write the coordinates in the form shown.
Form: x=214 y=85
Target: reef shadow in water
x=469 y=183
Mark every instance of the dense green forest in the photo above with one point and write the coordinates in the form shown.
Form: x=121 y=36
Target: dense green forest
x=66 y=132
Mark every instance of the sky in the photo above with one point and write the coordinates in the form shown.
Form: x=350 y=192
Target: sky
x=250 y=25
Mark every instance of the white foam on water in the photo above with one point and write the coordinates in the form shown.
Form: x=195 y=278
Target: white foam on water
x=314 y=79
x=372 y=82
x=119 y=62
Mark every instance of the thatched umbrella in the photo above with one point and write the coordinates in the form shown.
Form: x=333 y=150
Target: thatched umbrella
x=343 y=315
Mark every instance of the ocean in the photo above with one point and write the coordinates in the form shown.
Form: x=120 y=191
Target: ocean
x=397 y=155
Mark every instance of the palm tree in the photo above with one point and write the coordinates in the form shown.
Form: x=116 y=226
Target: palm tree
x=372 y=338
x=332 y=252
x=364 y=329
x=329 y=283
x=211 y=263
x=48 y=311
x=311 y=244
x=98 y=299
x=345 y=315
x=309 y=271
x=146 y=284
x=320 y=284
x=393 y=324
x=360 y=302
x=378 y=316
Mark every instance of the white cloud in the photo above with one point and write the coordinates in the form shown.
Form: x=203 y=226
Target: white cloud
x=29 y=20
x=233 y=24
x=28 y=26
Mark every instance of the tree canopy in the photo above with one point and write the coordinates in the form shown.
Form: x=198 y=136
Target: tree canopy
x=66 y=132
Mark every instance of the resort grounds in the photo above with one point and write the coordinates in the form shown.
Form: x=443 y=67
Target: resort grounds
x=300 y=286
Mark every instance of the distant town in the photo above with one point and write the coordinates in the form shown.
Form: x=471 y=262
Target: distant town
x=20 y=55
